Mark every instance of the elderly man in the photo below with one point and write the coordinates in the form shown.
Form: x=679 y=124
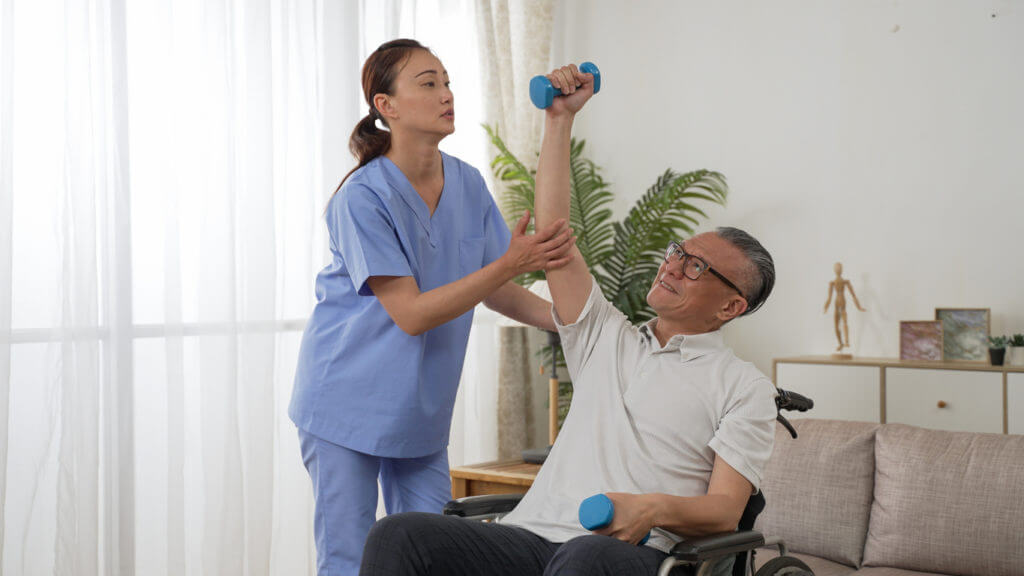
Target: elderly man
x=665 y=420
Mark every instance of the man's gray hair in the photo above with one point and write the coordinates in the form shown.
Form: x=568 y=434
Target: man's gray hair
x=760 y=280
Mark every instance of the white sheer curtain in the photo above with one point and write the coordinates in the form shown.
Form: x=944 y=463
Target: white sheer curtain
x=515 y=45
x=165 y=164
x=67 y=340
x=166 y=176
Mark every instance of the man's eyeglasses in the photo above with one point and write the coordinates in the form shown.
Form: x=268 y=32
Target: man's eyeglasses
x=694 y=266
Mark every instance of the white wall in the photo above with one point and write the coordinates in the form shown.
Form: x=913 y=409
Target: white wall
x=886 y=135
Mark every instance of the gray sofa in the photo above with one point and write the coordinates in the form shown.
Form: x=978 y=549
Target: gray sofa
x=896 y=500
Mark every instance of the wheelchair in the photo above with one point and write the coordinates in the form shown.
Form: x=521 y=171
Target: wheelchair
x=701 y=553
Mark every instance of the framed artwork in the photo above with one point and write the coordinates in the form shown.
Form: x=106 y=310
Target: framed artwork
x=964 y=333
x=921 y=340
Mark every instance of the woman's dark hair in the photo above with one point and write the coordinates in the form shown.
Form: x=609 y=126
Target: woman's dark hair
x=379 y=71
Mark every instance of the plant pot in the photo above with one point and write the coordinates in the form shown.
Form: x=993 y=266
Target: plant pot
x=1015 y=355
x=996 y=356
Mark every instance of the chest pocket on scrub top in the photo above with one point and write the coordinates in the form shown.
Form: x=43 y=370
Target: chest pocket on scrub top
x=471 y=254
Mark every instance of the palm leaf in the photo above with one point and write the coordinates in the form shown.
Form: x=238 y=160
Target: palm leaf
x=623 y=256
x=518 y=183
x=517 y=180
x=589 y=215
x=664 y=213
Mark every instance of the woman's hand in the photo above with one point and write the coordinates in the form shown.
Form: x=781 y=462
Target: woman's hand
x=544 y=250
x=576 y=86
x=633 y=519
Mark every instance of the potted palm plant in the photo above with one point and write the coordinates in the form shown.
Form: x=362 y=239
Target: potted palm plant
x=996 y=349
x=1015 y=351
x=623 y=256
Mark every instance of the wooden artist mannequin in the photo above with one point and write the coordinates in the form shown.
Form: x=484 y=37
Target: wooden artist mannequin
x=838 y=287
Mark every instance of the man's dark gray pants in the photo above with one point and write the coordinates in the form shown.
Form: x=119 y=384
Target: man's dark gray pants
x=421 y=544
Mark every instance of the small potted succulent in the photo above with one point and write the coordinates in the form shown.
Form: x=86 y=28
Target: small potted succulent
x=996 y=349
x=1015 y=354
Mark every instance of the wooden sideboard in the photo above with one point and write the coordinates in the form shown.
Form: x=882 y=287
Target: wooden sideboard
x=963 y=396
x=511 y=477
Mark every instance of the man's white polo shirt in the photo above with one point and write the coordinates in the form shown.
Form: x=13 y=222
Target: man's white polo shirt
x=646 y=418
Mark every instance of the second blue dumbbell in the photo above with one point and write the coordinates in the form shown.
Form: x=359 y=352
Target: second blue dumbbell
x=542 y=93
x=597 y=512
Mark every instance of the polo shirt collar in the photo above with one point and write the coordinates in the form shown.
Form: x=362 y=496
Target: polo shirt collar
x=690 y=347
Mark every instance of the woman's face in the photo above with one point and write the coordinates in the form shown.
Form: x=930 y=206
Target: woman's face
x=421 y=101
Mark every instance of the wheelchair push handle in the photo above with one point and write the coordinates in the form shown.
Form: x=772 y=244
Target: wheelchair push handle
x=787 y=400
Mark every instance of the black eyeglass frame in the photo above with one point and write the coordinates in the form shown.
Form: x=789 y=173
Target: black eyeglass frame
x=685 y=257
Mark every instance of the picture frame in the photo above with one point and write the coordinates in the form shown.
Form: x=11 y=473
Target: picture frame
x=921 y=340
x=965 y=333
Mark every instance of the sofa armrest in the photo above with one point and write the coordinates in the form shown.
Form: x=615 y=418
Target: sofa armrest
x=698 y=550
x=489 y=504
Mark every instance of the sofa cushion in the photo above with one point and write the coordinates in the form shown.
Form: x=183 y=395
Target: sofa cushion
x=947 y=502
x=818 y=488
x=819 y=566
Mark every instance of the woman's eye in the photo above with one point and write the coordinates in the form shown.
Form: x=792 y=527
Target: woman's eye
x=429 y=84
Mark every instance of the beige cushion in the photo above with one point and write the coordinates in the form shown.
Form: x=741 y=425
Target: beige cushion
x=818 y=488
x=948 y=502
x=819 y=566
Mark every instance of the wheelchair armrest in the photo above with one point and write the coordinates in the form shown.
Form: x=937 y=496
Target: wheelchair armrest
x=699 y=550
x=482 y=505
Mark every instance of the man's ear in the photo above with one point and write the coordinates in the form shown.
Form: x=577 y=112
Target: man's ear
x=733 y=307
x=385 y=106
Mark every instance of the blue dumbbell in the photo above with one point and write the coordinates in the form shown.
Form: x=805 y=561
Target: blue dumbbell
x=597 y=512
x=542 y=93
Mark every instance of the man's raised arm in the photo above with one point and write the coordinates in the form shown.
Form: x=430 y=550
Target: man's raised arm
x=570 y=285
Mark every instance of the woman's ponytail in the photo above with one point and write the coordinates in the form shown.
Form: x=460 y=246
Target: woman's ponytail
x=366 y=143
x=379 y=71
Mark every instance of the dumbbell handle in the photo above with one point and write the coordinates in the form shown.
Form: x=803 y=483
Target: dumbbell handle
x=542 y=93
x=597 y=512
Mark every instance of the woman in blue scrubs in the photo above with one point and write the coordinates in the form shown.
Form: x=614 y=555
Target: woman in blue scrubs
x=416 y=243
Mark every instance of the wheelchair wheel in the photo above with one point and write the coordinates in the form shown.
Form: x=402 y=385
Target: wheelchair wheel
x=784 y=566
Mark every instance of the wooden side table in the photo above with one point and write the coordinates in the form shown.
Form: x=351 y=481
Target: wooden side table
x=510 y=477
x=965 y=396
